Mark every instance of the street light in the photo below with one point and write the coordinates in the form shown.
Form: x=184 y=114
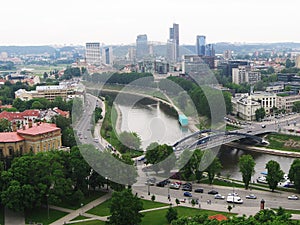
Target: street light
x=169 y=197
x=148 y=187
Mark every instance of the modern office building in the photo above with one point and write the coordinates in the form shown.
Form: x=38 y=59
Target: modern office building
x=142 y=49
x=107 y=55
x=200 y=44
x=171 y=50
x=93 y=53
x=209 y=50
x=174 y=37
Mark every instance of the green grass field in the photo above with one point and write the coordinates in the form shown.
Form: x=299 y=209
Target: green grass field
x=91 y=197
x=158 y=217
x=40 y=215
x=278 y=141
x=103 y=209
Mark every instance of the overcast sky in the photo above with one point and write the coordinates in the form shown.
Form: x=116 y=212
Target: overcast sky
x=45 y=22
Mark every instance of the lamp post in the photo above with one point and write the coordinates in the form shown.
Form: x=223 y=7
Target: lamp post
x=169 y=197
x=148 y=187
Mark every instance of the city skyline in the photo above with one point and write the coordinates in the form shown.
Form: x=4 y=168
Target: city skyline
x=119 y=22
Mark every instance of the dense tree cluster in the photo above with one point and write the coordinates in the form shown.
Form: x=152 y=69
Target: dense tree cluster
x=294 y=174
x=7 y=91
x=53 y=176
x=246 y=164
x=120 y=78
x=198 y=95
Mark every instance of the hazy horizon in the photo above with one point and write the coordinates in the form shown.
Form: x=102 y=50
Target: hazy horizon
x=116 y=22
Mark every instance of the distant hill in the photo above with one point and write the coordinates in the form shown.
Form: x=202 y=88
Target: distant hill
x=23 y=50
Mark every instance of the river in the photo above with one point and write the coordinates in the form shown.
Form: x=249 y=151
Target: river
x=152 y=124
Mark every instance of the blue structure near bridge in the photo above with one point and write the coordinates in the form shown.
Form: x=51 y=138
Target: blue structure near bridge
x=183 y=120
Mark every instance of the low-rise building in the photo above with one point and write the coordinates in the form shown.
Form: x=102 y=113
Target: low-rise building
x=244 y=107
x=287 y=102
x=267 y=100
x=34 y=138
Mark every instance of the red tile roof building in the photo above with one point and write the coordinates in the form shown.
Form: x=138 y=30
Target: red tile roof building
x=38 y=138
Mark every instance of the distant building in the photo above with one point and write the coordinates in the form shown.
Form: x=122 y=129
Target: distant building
x=174 y=37
x=142 y=49
x=243 y=74
x=171 y=50
x=287 y=102
x=107 y=55
x=196 y=63
x=210 y=50
x=297 y=62
x=93 y=53
x=227 y=66
x=200 y=44
x=39 y=138
x=275 y=88
x=48 y=92
x=227 y=54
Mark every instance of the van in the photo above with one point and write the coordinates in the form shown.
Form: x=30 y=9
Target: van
x=234 y=199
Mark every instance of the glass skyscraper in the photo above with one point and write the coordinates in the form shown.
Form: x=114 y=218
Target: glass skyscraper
x=200 y=45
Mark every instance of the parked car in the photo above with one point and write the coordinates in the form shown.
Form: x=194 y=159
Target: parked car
x=251 y=196
x=218 y=196
x=293 y=197
x=187 y=187
x=213 y=192
x=151 y=181
x=175 y=185
x=187 y=194
x=199 y=190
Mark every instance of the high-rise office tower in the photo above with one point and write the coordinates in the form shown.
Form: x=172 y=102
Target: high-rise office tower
x=171 y=50
x=174 y=36
x=210 y=50
x=200 y=44
x=93 y=53
x=107 y=55
x=142 y=48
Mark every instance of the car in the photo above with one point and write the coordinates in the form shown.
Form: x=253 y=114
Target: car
x=175 y=185
x=151 y=181
x=218 y=196
x=187 y=194
x=212 y=192
x=233 y=194
x=199 y=190
x=251 y=196
x=293 y=197
x=249 y=131
x=263 y=126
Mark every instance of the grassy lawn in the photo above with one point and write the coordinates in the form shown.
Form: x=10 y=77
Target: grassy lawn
x=278 y=141
x=158 y=217
x=40 y=215
x=92 y=196
x=93 y=222
x=231 y=127
x=291 y=211
x=103 y=209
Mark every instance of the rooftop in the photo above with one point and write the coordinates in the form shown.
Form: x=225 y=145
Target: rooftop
x=41 y=128
x=8 y=137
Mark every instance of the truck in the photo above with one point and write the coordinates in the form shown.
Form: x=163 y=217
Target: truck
x=234 y=199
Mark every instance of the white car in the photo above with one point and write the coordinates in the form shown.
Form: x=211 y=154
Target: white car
x=234 y=199
x=293 y=197
x=218 y=196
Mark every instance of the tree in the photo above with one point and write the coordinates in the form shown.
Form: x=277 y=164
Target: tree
x=5 y=125
x=229 y=207
x=246 y=164
x=260 y=114
x=296 y=106
x=275 y=174
x=294 y=174
x=153 y=198
x=213 y=169
x=193 y=202
x=171 y=214
x=36 y=105
x=125 y=208
x=190 y=170
x=129 y=140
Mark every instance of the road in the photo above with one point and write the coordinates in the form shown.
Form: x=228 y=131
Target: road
x=272 y=199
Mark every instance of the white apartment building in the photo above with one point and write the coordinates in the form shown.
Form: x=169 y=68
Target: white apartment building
x=93 y=53
x=243 y=74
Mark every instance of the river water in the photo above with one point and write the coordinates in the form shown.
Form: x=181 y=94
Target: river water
x=152 y=124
